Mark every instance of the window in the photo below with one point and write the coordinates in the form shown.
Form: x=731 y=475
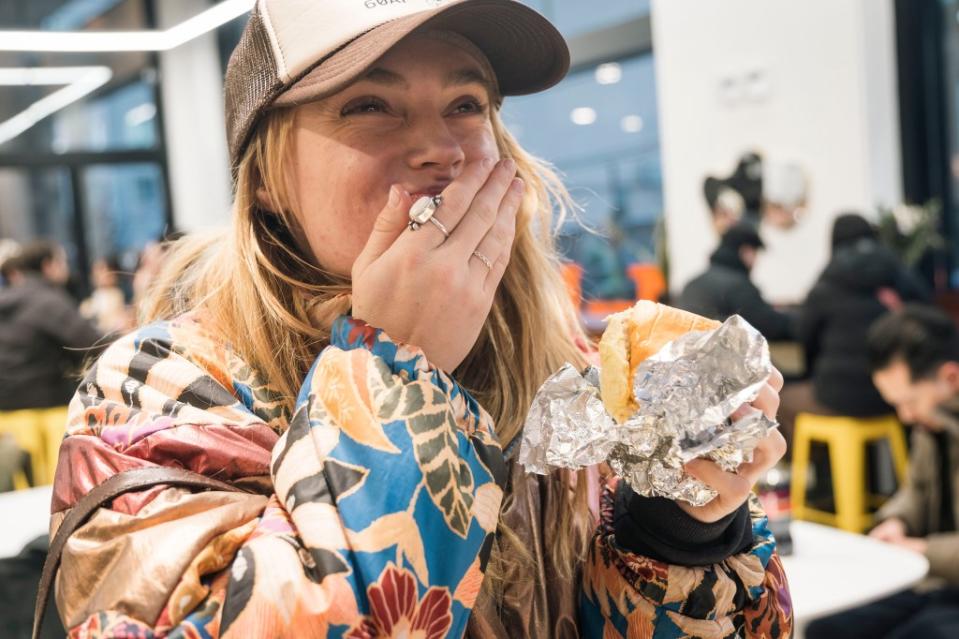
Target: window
x=125 y=208
x=600 y=128
x=122 y=119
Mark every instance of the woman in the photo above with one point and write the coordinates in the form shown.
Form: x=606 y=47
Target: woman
x=370 y=376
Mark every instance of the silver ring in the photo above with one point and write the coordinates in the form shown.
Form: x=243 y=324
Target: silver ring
x=440 y=226
x=423 y=210
x=485 y=260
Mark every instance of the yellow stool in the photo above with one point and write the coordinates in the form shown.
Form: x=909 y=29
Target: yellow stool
x=846 y=438
x=54 y=422
x=38 y=431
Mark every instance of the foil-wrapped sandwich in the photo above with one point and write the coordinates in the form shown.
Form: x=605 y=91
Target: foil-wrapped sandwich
x=672 y=386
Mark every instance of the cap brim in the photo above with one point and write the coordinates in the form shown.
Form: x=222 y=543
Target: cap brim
x=525 y=50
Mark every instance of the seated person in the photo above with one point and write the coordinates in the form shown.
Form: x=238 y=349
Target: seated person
x=914 y=356
x=43 y=337
x=725 y=288
x=863 y=281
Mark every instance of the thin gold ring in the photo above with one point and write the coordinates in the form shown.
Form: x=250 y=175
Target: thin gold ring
x=485 y=260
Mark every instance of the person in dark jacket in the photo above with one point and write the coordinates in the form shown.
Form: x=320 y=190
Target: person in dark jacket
x=43 y=337
x=725 y=288
x=914 y=358
x=863 y=281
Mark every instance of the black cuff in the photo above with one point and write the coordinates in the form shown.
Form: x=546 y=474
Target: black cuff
x=658 y=528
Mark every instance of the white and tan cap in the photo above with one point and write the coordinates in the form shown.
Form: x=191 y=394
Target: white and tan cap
x=295 y=51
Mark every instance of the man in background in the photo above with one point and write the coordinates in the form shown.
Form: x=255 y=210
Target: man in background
x=914 y=358
x=725 y=288
x=43 y=337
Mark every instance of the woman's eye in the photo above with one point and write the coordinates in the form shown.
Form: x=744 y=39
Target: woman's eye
x=470 y=106
x=365 y=105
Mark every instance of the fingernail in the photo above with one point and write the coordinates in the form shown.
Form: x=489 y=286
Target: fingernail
x=509 y=164
x=394 y=196
x=518 y=184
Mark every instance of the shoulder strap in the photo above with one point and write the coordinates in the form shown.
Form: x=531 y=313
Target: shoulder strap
x=117 y=485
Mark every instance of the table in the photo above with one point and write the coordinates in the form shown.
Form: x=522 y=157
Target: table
x=25 y=515
x=832 y=570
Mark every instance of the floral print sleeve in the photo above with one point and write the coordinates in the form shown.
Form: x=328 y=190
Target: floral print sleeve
x=379 y=495
x=626 y=595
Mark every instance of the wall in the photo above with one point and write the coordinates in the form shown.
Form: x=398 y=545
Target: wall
x=198 y=161
x=826 y=99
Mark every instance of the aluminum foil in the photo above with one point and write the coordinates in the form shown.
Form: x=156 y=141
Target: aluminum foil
x=693 y=398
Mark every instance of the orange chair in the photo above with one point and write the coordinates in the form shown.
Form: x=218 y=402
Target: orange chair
x=649 y=280
x=573 y=276
x=606 y=307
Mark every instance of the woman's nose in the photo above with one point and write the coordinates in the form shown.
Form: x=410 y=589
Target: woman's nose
x=433 y=145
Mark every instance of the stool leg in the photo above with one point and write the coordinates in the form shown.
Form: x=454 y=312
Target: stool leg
x=54 y=428
x=800 y=471
x=847 y=457
x=900 y=456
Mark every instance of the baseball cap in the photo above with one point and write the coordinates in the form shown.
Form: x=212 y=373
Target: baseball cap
x=295 y=51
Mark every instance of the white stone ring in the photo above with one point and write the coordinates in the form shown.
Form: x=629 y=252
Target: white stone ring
x=423 y=210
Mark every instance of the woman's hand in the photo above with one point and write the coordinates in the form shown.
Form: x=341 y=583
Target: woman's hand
x=734 y=488
x=432 y=292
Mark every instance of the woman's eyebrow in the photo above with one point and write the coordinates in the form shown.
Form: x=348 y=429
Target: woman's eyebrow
x=459 y=77
x=386 y=78
x=462 y=77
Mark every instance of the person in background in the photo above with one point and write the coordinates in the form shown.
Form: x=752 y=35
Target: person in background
x=106 y=306
x=863 y=281
x=8 y=249
x=149 y=265
x=785 y=190
x=725 y=203
x=725 y=288
x=42 y=334
x=914 y=358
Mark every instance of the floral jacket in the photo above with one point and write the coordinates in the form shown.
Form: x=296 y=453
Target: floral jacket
x=374 y=511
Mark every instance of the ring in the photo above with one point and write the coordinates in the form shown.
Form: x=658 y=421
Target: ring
x=440 y=226
x=485 y=260
x=423 y=210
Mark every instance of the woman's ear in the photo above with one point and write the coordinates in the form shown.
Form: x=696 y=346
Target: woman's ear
x=264 y=200
x=949 y=372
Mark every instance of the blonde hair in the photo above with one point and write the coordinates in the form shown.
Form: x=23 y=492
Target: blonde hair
x=275 y=307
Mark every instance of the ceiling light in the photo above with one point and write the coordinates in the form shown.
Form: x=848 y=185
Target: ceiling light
x=80 y=81
x=631 y=124
x=583 y=116
x=152 y=40
x=140 y=114
x=609 y=73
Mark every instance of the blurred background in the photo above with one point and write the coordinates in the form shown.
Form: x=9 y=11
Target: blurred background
x=735 y=150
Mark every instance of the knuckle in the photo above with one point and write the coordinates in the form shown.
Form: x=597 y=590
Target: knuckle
x=412 y=261
x=485 y=210
x=776 y=380
x=777 y=444
x=501 y=235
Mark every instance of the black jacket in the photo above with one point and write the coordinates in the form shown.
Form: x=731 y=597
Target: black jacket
x=725 y=290
x=836 y=317
x=39 y=325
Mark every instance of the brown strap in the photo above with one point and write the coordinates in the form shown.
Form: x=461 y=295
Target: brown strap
x=117 y=485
